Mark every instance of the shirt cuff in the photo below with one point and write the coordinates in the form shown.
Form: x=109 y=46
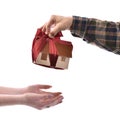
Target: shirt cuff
x=79 y=26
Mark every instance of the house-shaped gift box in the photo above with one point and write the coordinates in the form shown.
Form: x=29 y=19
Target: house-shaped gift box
x=51 y=52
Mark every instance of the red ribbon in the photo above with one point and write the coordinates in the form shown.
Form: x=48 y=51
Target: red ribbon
x=40 y=41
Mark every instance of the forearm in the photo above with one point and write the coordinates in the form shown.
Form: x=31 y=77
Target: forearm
x=105 y=34
x=11 y=99
x=9 y=90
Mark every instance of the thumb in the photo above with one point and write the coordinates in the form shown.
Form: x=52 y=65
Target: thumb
x=44 y=86
x=54 y=30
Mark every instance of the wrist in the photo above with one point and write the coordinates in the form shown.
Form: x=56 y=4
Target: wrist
x=21 y=99
x=17 y=99
x=22 y=90
x=70 y=21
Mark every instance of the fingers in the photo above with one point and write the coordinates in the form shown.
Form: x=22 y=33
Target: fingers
x=47 y=27
x=51 y=31
x=44 y=86
x=57 y=93
x=57 y=99
x=55 y=30
x=51 y=22
x=54 y=101
x=49 y=95
x=52 y=27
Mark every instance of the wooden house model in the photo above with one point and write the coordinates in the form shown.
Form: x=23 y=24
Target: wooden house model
x=54 y=53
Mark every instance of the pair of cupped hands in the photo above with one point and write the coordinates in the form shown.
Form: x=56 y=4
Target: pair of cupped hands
x=36 y=97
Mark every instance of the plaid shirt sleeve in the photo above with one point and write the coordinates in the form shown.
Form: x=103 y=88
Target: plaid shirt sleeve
x=104 y=34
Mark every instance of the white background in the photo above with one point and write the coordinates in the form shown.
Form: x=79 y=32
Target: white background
x=91 y=84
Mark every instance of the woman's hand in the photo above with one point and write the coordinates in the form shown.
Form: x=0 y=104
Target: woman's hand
x=43 y=100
